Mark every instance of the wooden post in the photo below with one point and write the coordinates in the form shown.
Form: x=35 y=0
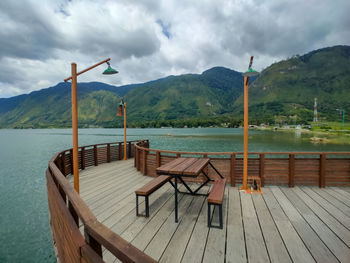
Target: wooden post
x=124 y=131
x=73 y=213
x=75 y=127
x=262 y=169
x=108 y=152
x=82 y=157
x=322 y=178
x=71 y=159
x=63 y=160
x=95 y=155
x=158 y=161
x=144 y=163
x=291 y=170
x=93 y=243
x=120 y=151
x=232 y=169
x=129 y=149
x=178 y=155
x=245 y=139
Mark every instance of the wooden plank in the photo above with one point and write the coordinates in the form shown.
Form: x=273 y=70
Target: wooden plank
x=196 y=167
x=256 y=248
x=178 y=242
x=295 y=246
x=164 y=169
x=130 y=221
x=273 y=240
x=162 y=238
x=334 y=243
x=334 y=211
x=179 y=169
x=153 y=227
x=153 y=185
x=317 y=248
x=196 y=245
x=339 y=196
x=342 y=232
x=236 y=251
x=334 y=201
x=215 y=247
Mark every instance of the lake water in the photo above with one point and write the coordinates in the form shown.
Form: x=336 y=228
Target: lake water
x=24 y=154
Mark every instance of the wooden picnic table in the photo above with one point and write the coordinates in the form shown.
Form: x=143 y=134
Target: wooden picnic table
x=186 y=167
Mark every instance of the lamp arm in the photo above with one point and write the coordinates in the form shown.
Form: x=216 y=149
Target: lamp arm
x=87 y=69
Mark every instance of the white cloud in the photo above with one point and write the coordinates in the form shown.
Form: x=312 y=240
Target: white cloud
x=152 y=39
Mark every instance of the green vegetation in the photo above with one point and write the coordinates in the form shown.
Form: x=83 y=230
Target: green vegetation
x=282 y=94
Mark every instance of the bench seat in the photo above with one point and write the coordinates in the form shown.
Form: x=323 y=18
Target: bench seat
x=148 y=189
x=215 y=198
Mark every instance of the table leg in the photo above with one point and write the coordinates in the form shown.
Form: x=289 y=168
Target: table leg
x=176 y=219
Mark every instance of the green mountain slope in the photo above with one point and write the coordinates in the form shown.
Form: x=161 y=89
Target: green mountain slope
x=288 y=88
x=283 y=92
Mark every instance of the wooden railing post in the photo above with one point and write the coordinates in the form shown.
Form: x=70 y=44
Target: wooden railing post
x=178 y=155
x=129 y=149
x=95 y=155
x=158 y=161
x=322 y=179
x=232 y=169
x=73 y=213
x=63 y=161
x=82 y=157
x=108 y=152
x=144 y=163
x=71 y=159
x=120 y=150
x=262 y=169
x=93 y=243
x=291 y=170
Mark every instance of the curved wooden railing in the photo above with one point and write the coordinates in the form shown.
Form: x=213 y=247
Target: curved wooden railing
x=68 y=210
x=275 y=168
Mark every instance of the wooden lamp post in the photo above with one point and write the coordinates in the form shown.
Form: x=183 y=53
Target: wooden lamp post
x=249 y=73
x=74 y=76
x=121 y=109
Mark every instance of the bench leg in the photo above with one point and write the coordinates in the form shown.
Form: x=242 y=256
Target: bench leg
x=146 y=206
x=220 y=216
x=208 y=215
x=137 y=205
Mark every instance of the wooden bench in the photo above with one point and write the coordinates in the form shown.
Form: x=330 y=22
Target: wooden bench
x=215 y=198
x=148 y=189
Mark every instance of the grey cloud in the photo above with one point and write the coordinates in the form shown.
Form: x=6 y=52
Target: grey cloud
x=25 y=33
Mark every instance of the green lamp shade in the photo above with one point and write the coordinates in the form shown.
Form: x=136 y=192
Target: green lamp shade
x=250 y=73
x=110 y=71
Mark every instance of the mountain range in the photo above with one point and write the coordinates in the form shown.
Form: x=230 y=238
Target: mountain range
x=283 y=92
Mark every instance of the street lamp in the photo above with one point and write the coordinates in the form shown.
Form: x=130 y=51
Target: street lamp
x=74 y=76
x=121 y=108
x=342 y=111
x=249 y=73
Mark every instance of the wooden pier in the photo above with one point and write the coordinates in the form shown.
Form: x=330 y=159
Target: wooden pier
x=300 y=224
x=303 y=214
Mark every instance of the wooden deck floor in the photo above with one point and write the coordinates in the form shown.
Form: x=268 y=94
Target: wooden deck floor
x=301 y=224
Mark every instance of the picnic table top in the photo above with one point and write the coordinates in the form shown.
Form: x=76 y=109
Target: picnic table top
x=184 y=166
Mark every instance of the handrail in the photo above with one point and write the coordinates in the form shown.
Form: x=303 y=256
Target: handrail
x=286 y=168
x=230 y=153
x=96 y=234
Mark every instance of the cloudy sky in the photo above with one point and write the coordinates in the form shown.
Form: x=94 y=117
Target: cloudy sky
x=151 y=39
